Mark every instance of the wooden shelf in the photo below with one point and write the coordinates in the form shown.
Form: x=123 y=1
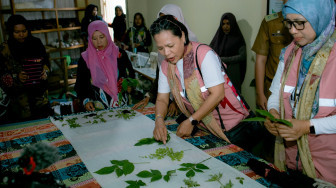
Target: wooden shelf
x=52 y=49
x=54 y=30
x=70 y=81
x=59 y=60
x=72 y=66
x=49 y=9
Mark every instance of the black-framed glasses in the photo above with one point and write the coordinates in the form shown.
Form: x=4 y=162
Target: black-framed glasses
x=299 y=25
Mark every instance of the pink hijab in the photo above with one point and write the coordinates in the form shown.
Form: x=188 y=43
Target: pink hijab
x=102 y=64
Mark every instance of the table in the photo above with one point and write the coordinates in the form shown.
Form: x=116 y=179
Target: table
x=74 y=173
x=148 y=73
x=138 y=59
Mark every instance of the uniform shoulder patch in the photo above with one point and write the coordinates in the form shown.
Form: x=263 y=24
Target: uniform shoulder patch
x=271 y=17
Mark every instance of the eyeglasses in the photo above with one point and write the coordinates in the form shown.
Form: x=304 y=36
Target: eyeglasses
x=299 y=25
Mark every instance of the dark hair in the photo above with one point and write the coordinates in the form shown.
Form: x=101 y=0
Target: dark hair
x=142 y=18
x=14 y=20
x=89 y=9
x=169 y=23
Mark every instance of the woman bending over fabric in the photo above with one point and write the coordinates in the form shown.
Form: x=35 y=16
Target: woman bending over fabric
x=138 y=36
x=229 y=44
x=304 y=92
x=99 y=73
x=199 y=93
x=174 y=10
x=24 y=65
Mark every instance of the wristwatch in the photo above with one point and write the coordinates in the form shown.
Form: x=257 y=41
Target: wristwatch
x=312 y=129
x=193 y=121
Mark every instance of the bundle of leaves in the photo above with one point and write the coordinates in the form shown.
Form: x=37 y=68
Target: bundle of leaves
x=262 y=115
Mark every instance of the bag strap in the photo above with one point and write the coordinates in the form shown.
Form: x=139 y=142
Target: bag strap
x=239 y=95
x=198 y=67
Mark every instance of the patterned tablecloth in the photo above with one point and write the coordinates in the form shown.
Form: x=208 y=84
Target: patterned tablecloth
x=72 y=171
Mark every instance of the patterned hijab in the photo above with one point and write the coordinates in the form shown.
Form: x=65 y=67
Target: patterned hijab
x=102 y=64
x=323 y=23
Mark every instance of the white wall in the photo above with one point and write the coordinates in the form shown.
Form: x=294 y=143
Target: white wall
x=203 y=17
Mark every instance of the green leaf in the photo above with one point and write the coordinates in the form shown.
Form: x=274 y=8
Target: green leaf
x=116 y=162
x=198 y=170
x=141 y=183
x=144 y=174
x=183 y=169
x=265 y=113
x=190 y=173
x=229 y=185
x=119 y=172
x=201 y=166
x=145 y=141
x=135 y=184
x=166 y=178
x=160 y=142
x=155 y=172
x=106 y=170
x=156 y=177
x=187 y=164
x=128 y=168
x=285 y=122
x=169 y=173
x=254 y=119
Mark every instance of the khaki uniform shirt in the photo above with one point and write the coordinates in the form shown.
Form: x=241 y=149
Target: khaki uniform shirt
x=271 y=38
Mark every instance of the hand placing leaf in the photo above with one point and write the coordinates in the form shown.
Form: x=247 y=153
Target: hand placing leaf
x=148 y=141
x=263 y=114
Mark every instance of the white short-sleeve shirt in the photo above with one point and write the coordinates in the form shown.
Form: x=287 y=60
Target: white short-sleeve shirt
x=211 y=72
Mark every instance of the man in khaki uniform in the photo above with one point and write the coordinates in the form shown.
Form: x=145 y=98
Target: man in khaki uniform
x=271 y=38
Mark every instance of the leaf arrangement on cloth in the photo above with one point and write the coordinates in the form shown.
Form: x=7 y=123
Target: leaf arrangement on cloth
x=163 y=152
x=80 y=120
x=135 y=184
x=191 y=183
x=263 y=114
x=72 y=123
x=122 y=167
x=125 y=114
x=217 y=177
x=192 y=168
x=148 y=141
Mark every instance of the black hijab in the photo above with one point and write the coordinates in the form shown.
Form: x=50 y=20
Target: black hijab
x=226 y=45
x=119 y=24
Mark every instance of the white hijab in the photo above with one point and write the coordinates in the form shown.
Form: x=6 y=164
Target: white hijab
x=174 y=10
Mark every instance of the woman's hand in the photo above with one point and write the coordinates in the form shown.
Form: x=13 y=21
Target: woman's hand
x=142 y=104
x=300 y=127
x=271 y=126
x=44 y=74
x=160 y=130
x=89 y=106
x=23 y=76
x=262 y=101
x=184 y=129
x=136 y=45
x=172 y=109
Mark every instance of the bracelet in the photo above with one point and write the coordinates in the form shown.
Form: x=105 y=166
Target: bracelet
x=159 y=116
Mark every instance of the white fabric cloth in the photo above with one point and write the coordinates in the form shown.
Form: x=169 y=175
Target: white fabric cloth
x=211 y=72
x=99 y=143
x=325 y=125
